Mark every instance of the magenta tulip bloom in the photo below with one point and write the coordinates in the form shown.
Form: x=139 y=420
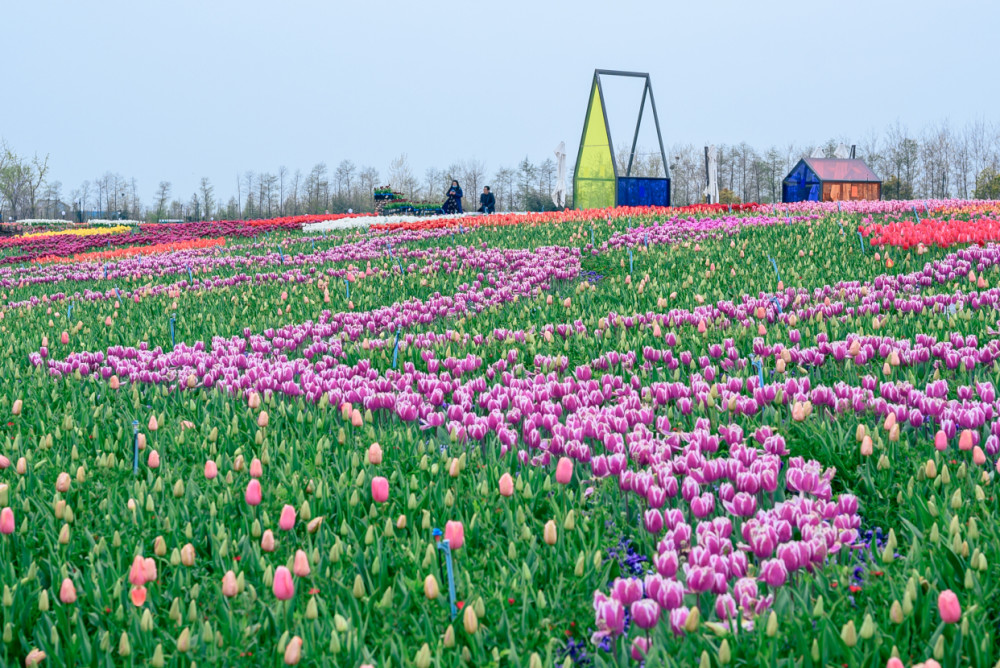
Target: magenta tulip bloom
x=645 y=613
x=380 y=489
x=284 y=586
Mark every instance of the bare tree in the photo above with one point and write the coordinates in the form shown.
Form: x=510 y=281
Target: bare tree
x=207 y=196
x=162 y=195
x=402 y=177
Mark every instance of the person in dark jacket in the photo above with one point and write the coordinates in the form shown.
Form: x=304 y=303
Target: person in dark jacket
x=487 y=201
x=454 y=202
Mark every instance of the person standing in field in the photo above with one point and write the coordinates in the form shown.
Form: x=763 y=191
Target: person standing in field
x=454 y=202
x=487 y=201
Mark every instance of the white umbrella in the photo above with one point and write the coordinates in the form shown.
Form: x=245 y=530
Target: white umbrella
x=559 y=194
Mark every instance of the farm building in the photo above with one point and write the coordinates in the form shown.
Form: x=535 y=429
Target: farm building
x=830 y=180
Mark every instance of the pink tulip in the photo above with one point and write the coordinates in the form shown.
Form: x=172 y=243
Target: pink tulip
x=454 y=533
x=254 y=401
x=262 y=419
x=67 y=592
x=941 y=441
x=356 y=419
x=645 y=613
x=978 y=456
x=138 y=596
x=293 y=651
x=965 y=440
x=140 y=440
x=287 y=520
x=564 y=470
x=108 y=321
x=137 y=574
x=16 y=408
x=229 y=586
x=506 y=485
x=4 y=462
x=301 y=565
x=153 y=461
x=114 y=383
x=256 y=468
x=153 y=424
x=375 y=454
x=949 y=607
x=62 y=482
x=380 y=489
x=284 y=587
x=253 y=494
x=866 y=446
x=64 y=338
x=211 y=469
x=267 y=541
x=894 y=662
x=149 y=569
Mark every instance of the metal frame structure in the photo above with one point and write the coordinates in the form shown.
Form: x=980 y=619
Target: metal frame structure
x=646 y=90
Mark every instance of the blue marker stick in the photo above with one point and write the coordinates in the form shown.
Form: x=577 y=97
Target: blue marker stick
x=173 y=318
x=135 y=447
x=105 y=272
x=647 y=239
x=862 y=240
x=314 y=245
x=190 y=275
x=838 y=207
x=117 y=293
x=69 y=311
x=775 y=265
x=774 y=300
x=395 y=348
x=760 y=371
x=347 y=284
x=591 y=235
x=630 y=260
x=445 y=547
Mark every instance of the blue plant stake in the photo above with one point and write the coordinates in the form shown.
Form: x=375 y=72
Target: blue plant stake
x=775 y=265
x=591 y=235
x=647 y=240
x=69 y=312
x=173 y=318
x=915 y=214
x=190 y=275
x=445 y=547
x=760 y=371
x=347 y=284
x=314 y=245
x=105 y=272
x=774 y=211
x=117 y=293
x=389 y=244
x=395 y=348
x=838 y=207
x=135 y=447
x=774 y=300
x=926 y=210
x=630 y=260
x=400 y=263
x=862 y=240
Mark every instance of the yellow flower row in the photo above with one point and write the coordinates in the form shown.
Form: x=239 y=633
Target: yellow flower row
x=79 y=232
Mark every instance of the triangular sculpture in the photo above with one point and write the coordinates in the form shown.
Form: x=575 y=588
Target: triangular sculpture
x=594 y=178
x=596 y=181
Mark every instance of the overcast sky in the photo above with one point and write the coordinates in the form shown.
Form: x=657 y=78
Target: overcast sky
x=189 y=88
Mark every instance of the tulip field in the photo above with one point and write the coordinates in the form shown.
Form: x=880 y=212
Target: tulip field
x=759 y=435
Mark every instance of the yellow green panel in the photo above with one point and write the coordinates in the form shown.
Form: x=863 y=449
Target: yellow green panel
x=594 y=181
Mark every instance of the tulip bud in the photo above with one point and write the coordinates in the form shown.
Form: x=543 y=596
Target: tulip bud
x=469 y=620
x=772 y=624
x=431 y=589
x=550 y=535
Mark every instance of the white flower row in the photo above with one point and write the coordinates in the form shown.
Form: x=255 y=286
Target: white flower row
x=365 y=221
x=111 y=223
x=42 y=221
